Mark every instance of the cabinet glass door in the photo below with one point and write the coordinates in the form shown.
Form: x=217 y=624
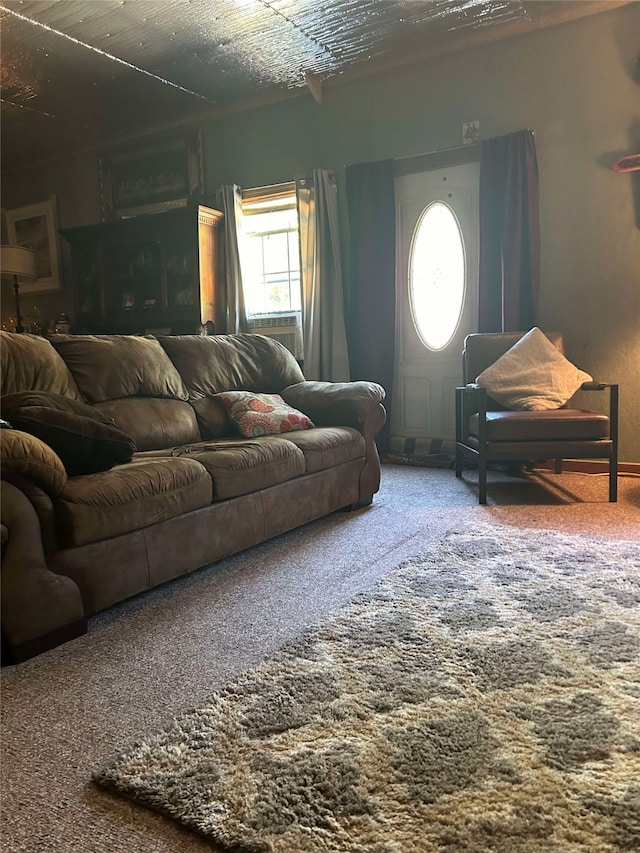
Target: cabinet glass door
x=181 y=270
x=133 y=276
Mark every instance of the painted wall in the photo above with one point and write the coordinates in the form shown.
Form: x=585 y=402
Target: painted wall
x=575 y=85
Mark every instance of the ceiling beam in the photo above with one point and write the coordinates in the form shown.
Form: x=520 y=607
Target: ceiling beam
x=314 y=82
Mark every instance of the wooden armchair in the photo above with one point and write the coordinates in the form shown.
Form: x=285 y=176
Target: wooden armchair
x=490 y=433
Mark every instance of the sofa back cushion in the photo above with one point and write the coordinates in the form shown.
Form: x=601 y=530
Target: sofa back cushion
x=213 y=418
x=108 y=367
x=152 y=422
x=30 y=363
x=209 y=365
x=132 y=380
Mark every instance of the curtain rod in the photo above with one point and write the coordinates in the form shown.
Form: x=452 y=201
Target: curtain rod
x=444 y=156
x=469 y=145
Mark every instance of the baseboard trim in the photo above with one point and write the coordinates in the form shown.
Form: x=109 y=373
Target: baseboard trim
x=591 y=466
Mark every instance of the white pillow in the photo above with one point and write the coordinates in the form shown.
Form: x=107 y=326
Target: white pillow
x=533 y=374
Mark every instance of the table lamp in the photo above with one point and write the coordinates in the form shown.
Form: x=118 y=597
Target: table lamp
x=19 y=262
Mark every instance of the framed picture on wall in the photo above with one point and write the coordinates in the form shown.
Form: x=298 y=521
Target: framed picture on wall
x=152 y=176
x=36 y=226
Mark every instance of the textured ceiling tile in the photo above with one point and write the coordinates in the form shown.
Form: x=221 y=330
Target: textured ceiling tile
x=77 y=70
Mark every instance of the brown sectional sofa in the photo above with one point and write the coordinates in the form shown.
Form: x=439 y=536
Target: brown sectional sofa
x=194 y=491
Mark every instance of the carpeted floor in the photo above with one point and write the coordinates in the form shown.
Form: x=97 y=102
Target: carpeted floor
x=71 y=710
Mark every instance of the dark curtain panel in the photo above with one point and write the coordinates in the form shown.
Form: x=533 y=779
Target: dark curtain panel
x=371 y=320
x=509 y=273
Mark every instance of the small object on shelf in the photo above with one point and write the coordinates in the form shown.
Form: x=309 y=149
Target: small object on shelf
x=33 y=322
x=63 y=324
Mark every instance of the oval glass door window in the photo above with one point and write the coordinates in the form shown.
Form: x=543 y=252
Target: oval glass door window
x=437 y=275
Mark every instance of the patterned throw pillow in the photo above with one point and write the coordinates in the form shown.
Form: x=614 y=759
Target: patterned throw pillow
x=262 y=414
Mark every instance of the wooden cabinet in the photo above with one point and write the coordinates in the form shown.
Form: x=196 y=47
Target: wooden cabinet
x=147 y=274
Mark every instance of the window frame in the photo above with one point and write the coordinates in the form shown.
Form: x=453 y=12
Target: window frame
x=272 y=199
x=418 y=326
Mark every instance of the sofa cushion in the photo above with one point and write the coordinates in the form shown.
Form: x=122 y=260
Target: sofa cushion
x=213 y=418
x=533 y=374
x=327 y=447
x=209 y=365
x=153 y=422
x=24 y=455
x=241 y=466
x=130 y=497
x=85 y=440
x=262 y=414
x=30 y=363
x=107 y=367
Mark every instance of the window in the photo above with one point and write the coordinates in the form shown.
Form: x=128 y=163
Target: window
x=437 y=275
x=271 y=251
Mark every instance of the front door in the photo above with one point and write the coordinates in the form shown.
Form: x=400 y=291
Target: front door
x=436 y=287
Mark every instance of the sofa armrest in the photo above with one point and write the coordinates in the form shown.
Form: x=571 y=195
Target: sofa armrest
x=354 y=404
x=23 y=456
x=39 y=608
x=351 y=404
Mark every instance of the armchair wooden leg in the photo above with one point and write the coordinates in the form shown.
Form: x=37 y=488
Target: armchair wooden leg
x=613 y=461
x=459 y=459
x=558 y=468
x=613 y=481
x=482 y=479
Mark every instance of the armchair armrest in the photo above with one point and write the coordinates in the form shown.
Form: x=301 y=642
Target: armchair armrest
x=594 y=386
x=613 y=405
x=355 y=404
x=472 y=391
x=470 y=399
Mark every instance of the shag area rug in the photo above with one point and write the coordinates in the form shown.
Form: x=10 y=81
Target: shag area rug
x=484 y=696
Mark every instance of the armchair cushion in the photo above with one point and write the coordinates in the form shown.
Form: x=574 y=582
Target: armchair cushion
x=532 y=375
x=262 y=414
x=557 y=425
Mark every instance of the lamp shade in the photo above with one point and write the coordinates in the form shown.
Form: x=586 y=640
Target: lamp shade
x=18 y=261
